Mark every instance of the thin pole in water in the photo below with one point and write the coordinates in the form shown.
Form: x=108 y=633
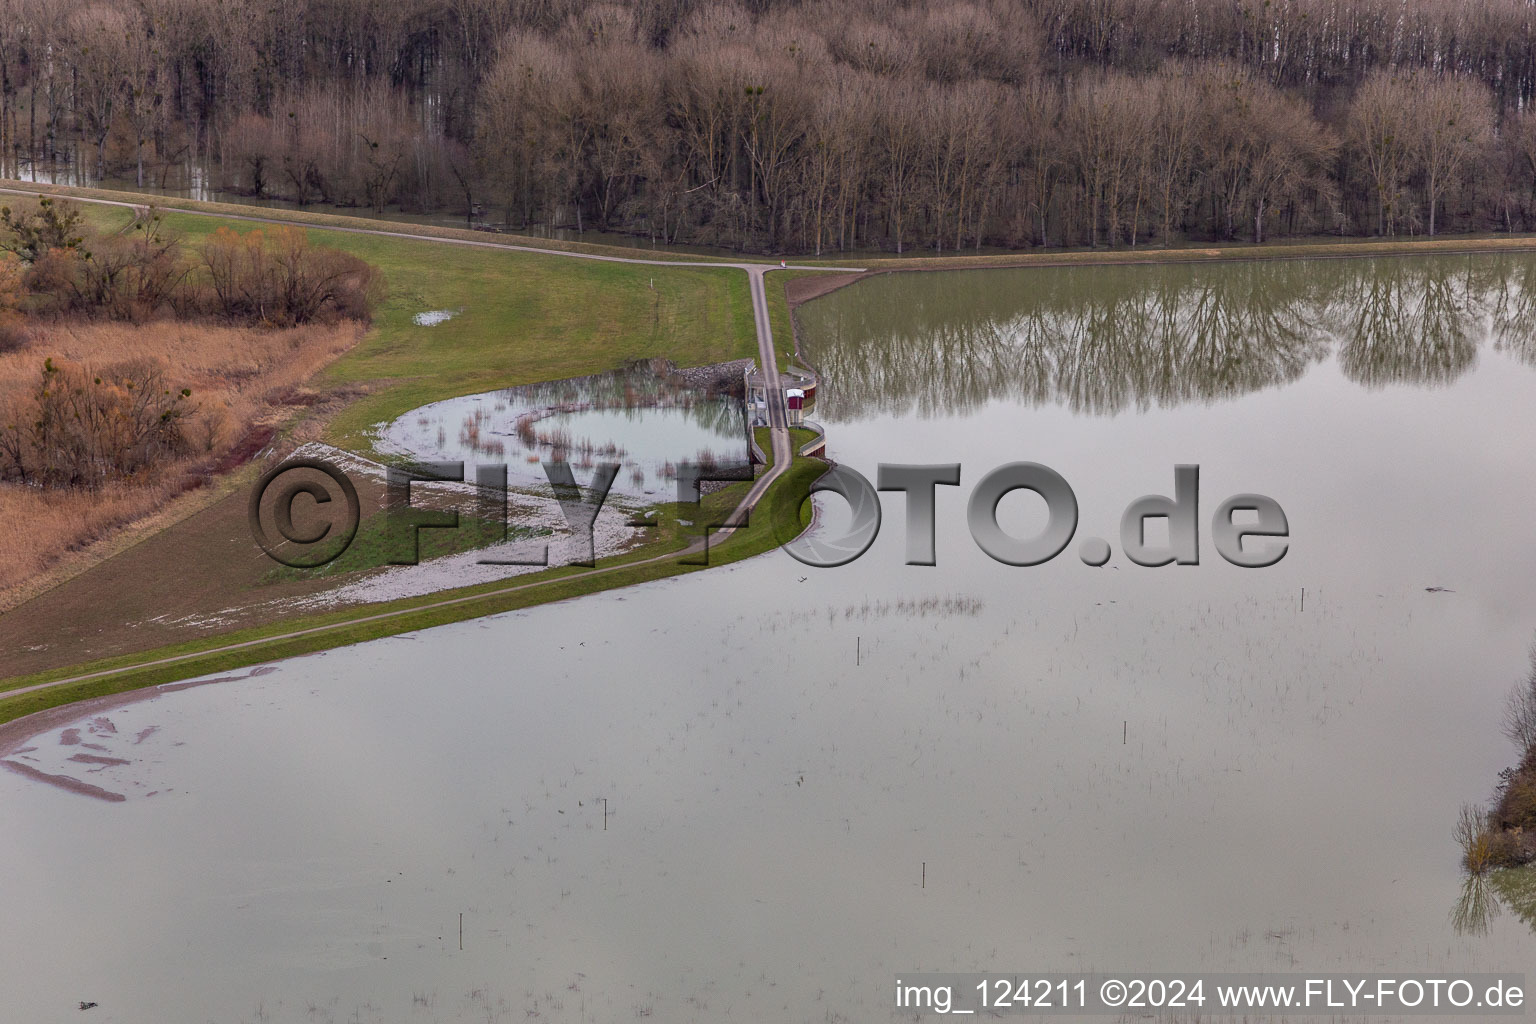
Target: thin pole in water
x=605 y=814
x=1303 y=598
x=461 y=931
x=1125 y=730
x=925 y=874
x=858 y=650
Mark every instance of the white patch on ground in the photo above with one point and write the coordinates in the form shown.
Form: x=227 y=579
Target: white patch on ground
x=345 y=461
x=433 y=317
x=611 y=534
x=221 y=618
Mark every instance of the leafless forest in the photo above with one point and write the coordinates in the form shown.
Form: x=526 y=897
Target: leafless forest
x=807 y=126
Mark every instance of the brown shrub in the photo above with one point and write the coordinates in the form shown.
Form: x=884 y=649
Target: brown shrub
x=82 y=427
x=130 y=278
x=238 y=371
x=272 y=277
x=1507 y=849
x=235 y=375
x=277 y=277
x=53 y=280
x=1517 y=806
x=13 y=326
x=11 y=281
x=14 y=331
x=1477 y=839
x=33 y=229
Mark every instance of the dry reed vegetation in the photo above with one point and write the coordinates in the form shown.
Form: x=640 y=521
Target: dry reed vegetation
x=132 y=369
x=240 y=378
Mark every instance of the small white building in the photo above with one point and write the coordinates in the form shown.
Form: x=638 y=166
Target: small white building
x=794 y=402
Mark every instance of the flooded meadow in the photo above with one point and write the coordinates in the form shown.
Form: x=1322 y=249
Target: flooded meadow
x=762 y=791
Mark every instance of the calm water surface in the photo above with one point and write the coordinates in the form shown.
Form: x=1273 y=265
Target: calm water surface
x=815 y=779
x=633 y=419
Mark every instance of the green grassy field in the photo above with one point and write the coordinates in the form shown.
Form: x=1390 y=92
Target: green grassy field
x=234 y=212
x=780 y=317
x=519 y=318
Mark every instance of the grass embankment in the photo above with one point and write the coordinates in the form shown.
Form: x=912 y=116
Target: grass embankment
x=235 y=212
x=781 y=312
x=783 y=513
x=1310 y=247
x=519 y=318
x=376 y=546
x=1299 y=248
x=1227 y=252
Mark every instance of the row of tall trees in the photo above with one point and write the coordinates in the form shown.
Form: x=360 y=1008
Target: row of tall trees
x=807 y=125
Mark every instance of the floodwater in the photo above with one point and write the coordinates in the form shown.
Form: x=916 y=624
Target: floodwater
x=633 y=419
x=759 y=793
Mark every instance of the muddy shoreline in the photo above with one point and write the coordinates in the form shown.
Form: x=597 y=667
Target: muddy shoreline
x=17 y=733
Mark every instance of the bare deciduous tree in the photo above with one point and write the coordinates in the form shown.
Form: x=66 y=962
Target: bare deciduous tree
x=1007 y=122
x=1454 y=118
x=1379 y=133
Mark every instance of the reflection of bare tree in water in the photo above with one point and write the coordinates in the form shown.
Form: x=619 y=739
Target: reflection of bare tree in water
x=1198 y=338
x=1475 y=907
x=1513 y=308
x=1126 y=337
x=718 y=416
x=1408 y=320
x=1117 y=338
x=1516 y=888
x=1485 y=895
